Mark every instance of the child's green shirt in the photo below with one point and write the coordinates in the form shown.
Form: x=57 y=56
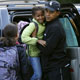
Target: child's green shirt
x=32 y=41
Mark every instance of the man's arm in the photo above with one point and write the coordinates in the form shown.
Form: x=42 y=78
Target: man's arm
x=51 y=42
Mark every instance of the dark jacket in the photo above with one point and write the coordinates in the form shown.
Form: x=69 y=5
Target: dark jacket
x=24 y=63
x=53 y=55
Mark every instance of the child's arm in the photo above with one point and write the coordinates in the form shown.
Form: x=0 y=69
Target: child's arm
x=26 y=35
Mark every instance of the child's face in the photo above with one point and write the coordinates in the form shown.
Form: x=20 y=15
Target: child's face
x=39 y=16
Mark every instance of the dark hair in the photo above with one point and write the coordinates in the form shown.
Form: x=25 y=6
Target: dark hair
x=9 y=33
x=37 y=8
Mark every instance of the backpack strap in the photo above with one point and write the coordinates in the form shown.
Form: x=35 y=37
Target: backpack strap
x=23 y=28
x=36 y=25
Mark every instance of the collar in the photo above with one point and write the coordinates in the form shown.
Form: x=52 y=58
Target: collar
x=54 y=20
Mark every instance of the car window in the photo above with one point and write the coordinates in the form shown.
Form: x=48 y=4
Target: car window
x=78 y=8
x=71 y=38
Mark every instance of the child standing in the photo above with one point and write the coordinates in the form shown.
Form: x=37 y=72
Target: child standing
x=30 y=37
x=13 y=61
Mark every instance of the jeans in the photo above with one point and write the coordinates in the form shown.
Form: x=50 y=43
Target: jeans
x=35 y=62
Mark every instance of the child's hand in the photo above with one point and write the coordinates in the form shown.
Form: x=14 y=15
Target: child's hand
x=42 y=42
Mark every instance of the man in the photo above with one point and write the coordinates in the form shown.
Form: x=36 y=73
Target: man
x=55 y=64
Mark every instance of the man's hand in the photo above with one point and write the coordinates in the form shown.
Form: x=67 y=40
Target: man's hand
x=42 y=42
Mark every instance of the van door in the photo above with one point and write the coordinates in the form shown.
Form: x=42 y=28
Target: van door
x=4 y=19
x=73 y=50
x=70 y=21
x=74 y=53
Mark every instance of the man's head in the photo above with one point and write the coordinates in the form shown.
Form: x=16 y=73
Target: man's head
x=52 y=10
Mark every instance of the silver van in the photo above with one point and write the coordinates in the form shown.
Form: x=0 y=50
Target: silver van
x=69 y=18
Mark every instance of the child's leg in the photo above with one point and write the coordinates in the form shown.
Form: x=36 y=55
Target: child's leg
x=35 y=62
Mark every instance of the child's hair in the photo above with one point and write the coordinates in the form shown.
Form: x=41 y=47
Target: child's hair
x=37 y=8
x=9 y=34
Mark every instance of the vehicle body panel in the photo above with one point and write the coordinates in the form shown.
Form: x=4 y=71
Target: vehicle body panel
x=4 y=18
x=69 y=13
x=74 y=54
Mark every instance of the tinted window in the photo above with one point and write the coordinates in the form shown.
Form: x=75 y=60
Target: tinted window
x=70 y=34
